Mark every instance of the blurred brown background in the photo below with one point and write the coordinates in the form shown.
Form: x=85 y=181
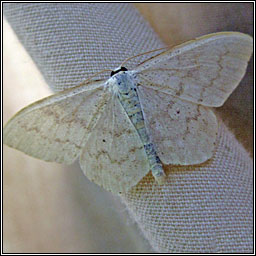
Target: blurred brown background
x=53 y=208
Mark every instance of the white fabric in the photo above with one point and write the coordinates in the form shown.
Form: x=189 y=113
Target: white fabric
x=202 y=209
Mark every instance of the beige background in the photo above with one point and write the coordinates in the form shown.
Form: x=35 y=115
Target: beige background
x=53 y=208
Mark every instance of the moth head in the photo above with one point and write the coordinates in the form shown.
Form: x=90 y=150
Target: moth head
x=117 y=70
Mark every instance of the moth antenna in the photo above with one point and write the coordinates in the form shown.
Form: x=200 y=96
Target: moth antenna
x=144 y=53
x=95 y=74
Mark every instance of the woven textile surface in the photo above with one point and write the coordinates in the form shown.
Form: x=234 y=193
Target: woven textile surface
x=205 y=208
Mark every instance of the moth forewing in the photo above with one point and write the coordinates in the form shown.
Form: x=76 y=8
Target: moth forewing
x=204 y=71
x=56 y=128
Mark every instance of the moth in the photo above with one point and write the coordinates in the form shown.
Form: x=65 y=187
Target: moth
x=123 y=127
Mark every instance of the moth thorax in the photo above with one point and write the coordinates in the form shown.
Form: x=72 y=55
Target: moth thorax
x=124 y=83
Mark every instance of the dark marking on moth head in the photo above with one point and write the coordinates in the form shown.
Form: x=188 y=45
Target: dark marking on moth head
x=118 y=70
